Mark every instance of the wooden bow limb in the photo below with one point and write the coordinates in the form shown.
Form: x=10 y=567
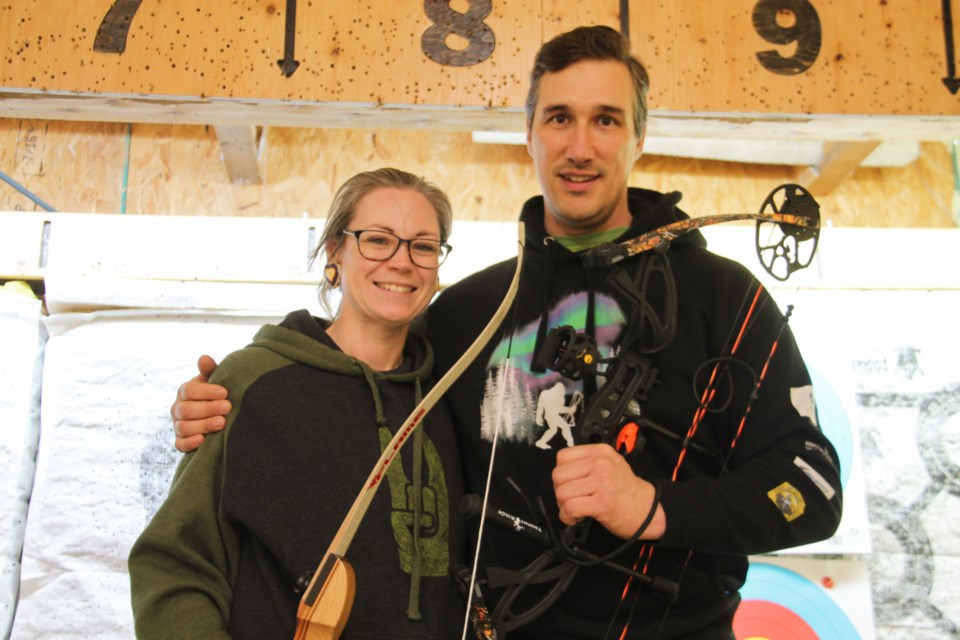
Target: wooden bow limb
x=325 y=606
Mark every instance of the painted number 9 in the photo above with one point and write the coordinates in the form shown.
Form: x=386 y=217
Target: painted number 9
x=785 y=22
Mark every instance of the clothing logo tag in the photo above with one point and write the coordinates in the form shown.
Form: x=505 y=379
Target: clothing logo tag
x=804 y=402
x=552 y=409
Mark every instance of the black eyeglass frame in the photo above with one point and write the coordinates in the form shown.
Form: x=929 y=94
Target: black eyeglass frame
x=443 y=249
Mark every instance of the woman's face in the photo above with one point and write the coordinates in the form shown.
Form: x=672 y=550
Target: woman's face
x=387 y=294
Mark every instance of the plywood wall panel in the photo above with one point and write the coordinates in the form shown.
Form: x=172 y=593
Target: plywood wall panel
x=482 y=180
x=859 y=57
x=917 y=195
x=563 y=15
x=62 y=164
x=177 y=169
x=362 y=51
x=865 y=56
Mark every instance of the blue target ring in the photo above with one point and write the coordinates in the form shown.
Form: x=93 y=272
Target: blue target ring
x=834 y=422
x=776 y=588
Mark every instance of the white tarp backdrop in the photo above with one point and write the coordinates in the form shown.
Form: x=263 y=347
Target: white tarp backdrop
x=105 y=458
x=876 y=325
x=21 y=364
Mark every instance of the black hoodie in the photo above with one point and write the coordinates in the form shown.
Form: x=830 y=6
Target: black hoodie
x=679 y=310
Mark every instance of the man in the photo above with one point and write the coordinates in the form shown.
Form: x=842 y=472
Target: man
x=648 y=541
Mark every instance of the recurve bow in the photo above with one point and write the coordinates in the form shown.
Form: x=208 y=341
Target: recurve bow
x=325 y=606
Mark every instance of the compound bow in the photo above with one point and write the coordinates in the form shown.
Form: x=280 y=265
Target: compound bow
x=791 y=217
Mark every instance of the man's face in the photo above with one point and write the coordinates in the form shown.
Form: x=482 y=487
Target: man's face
x=583 y=145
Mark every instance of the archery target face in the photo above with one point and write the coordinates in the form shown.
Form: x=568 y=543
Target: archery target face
x=781 y=604
x=834 y=422
x=833 y=400
x=761 y=620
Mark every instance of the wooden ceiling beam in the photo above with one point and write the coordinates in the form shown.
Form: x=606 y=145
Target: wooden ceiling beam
x=239 y=149
x=32 y=105
x=840 y=159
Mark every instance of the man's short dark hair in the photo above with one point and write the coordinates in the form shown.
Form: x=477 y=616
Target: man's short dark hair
x=590 y=43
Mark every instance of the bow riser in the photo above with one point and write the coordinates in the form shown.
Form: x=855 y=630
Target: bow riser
x=325 y=608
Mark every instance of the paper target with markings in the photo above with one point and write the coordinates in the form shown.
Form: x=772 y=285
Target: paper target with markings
x=853 y=534
x=804 y=599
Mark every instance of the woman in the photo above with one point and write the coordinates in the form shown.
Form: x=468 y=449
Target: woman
x=255 y=508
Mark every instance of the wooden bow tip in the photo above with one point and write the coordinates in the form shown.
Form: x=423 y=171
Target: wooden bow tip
x=324 y=610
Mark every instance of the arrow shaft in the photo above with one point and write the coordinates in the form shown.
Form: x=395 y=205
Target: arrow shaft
x=290 y=30
x=948 y=37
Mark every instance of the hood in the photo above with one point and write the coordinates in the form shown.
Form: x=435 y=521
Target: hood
x=650 y=210
x=302 y=338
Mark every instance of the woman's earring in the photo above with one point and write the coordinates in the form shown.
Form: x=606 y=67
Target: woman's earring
x=331 y=273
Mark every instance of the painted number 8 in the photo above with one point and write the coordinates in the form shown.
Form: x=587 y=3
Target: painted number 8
x=469 y=26
x=784 y=22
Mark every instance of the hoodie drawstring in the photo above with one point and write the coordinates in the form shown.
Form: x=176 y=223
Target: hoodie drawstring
x=413 y=604
x=550 y=261
x=590 y=382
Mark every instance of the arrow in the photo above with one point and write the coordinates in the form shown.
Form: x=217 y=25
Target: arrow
x=951 y=81
x=288 y=64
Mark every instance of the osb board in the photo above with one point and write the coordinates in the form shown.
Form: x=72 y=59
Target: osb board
x=83 y=167
x=835 y=56
x=361 y=51
x=861 y=57
x=917 y=195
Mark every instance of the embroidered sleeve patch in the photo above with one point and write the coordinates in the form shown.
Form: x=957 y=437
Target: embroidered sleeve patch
x=788 y=500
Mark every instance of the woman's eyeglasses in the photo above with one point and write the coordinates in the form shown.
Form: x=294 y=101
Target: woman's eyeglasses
x=380 y=246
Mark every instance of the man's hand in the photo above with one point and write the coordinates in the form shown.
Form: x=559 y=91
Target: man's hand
x=199 y=409
x=594 y=481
